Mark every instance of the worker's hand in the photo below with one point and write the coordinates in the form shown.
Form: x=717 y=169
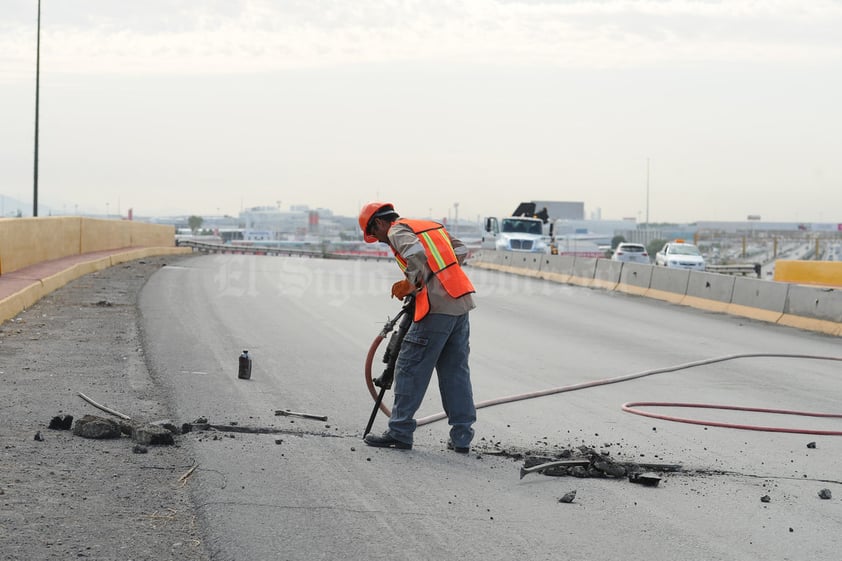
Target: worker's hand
x=401 y=289
x=384 y=380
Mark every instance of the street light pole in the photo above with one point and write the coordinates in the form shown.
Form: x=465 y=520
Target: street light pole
x=456 y=219
x=37 y=88
x=647 y=193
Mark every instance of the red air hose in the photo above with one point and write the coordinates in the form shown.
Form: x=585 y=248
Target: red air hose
x=629 y=407
x=368 y=380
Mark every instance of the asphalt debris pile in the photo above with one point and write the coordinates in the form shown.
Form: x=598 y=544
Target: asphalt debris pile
x=586 y=462
x=142 y=434
x=159 y=433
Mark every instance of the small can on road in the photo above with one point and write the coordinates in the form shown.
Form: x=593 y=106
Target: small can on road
x=245 y=366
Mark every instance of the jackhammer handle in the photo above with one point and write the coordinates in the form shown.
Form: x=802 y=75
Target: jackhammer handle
x=405 y=315
x=408 y=305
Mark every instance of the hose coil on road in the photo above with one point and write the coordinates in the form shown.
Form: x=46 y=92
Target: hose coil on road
x=631 y=407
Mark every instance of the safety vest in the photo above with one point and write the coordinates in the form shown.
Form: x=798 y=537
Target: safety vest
x=442 y=262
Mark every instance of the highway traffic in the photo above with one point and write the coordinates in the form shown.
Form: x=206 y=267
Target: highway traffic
x=309 y=489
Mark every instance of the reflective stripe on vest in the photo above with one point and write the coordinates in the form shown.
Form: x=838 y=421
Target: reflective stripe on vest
x=442 y=261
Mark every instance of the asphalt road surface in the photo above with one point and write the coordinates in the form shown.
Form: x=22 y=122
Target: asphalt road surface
x=313 y=490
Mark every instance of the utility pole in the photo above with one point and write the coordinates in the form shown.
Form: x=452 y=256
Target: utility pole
x=37 y=88
x=647 y=193
x=456 y=219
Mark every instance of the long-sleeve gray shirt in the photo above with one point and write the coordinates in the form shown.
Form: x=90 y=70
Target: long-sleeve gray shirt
x=404 y=241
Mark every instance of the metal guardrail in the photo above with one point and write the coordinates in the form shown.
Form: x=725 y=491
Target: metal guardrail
x=324 y=253
x=736 y=269
x=207 y=247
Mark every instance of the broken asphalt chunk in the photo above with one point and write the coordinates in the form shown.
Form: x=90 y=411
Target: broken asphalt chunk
x=568 y=497
x=578 y=471
x=61 y=422
x=608 y=467
x=152 y=435
x=91 y=426
x=648 y=479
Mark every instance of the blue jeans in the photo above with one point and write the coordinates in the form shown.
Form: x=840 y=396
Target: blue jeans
x=442 y=342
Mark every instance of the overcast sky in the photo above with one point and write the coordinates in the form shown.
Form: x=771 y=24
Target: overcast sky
x=206 y=106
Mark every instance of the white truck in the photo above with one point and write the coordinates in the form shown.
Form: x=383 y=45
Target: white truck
x=525 y=231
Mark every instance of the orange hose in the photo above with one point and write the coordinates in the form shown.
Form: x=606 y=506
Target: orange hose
x=630 y=408
x=372 y=350
x=627 y=377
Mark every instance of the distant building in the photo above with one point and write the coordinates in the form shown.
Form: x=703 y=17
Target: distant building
x=600 y=231
x=298 y=223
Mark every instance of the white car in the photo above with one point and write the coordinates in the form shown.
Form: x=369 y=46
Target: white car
x=680 y=255
x=631 y=253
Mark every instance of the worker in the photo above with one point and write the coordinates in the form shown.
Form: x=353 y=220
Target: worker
x=439 y=335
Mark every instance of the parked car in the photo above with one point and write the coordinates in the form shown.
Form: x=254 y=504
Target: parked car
x=631 y=253
x=681 y=255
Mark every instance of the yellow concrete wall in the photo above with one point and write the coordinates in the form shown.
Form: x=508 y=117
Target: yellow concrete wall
x=100 y=235
x=26 y=241
x=824 y=273
x=152 y=235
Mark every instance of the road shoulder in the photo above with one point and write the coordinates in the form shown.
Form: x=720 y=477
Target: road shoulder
x=65 y=496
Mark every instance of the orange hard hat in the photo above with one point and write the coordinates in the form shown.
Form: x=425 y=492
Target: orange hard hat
x=371 y=211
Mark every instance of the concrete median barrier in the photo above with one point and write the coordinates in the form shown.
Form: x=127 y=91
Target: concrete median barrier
x=476 y=257
x=485 y=259
x=709 y=291
x=557 y=268
x=635 y=278
x=607 y=274
x=544 y=262
x=758 y=299
x=584 y=269
x=494 y=257
x=813 y=308
x=520 y=263
x=668 y=284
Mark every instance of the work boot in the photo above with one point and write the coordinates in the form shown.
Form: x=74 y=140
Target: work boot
x=386 y=441
x=458 y=449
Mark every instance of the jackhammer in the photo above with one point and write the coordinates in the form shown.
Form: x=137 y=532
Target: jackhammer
x=403 y=320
